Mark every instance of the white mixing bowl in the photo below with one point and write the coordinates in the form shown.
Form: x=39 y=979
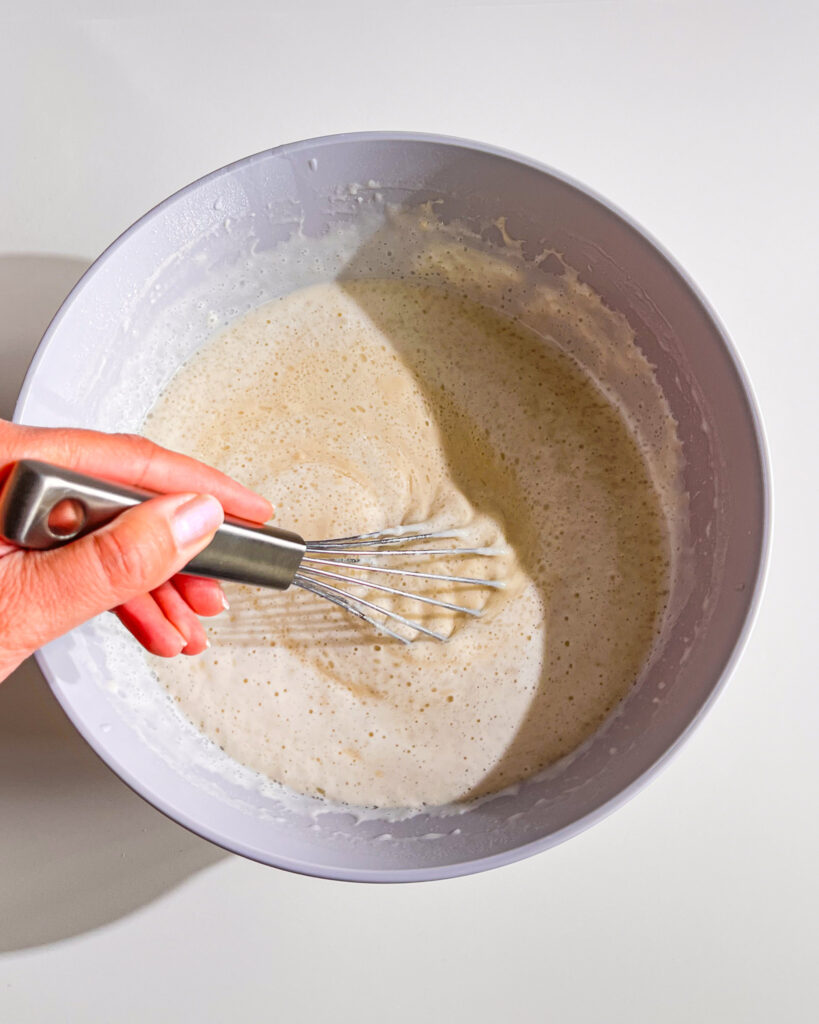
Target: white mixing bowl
x=153 y=297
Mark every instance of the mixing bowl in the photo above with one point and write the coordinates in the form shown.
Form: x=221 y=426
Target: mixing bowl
x=212 y=251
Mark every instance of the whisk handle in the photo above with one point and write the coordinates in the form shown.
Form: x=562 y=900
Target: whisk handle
x=263 y=556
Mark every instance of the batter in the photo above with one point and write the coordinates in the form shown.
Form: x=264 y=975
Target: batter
x=368 y=403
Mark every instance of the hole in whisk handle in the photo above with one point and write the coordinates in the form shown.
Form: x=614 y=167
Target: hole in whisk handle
x=43 y=506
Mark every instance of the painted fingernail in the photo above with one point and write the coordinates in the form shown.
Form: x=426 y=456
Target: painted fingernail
x=196 y=519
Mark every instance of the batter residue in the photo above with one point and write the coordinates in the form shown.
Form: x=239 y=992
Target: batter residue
x=369 y=403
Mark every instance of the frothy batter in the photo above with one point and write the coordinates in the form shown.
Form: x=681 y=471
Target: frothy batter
x=371 y=403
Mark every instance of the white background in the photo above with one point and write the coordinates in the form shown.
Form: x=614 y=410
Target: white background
x=698 y=901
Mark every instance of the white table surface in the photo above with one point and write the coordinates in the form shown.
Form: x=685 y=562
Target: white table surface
x=698 y=901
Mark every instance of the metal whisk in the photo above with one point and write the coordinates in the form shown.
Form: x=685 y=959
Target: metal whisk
x=262 y=556
x=348 y=553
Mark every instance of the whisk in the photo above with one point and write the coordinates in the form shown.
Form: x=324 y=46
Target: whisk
x=336 y=570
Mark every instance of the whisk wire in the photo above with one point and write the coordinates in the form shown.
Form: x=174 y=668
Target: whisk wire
x=351 y=563
x=341 y=578
x=316 y=589
x=325 y=589
x=382 y=537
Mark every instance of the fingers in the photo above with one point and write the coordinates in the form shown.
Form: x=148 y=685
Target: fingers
x=130 y=459
x=143 y=618
x=205 y=597
x=126 y=564
x=180 y=614
x=165 y=621
x=130 y=556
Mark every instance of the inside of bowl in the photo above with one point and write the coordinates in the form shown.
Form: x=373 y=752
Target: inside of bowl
x=315 y=211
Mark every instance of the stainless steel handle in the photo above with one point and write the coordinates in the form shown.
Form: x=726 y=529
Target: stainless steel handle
x=262 y=556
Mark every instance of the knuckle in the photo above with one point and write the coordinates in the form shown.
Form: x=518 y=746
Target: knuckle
x=26 y=608
x=12 y=608
x=125 y=566
x=69 y=444
x=137 y=441
x=142 y=451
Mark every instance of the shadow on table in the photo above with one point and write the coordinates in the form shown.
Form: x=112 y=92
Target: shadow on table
x=78 y=849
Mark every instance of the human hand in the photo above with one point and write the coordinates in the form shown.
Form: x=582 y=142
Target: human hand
x=129 y=565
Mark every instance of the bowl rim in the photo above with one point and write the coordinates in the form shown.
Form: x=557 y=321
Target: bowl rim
x=732 y=659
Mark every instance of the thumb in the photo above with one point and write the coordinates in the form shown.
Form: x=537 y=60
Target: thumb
x=131 y=555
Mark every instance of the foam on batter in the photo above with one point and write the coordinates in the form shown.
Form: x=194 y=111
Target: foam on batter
x=367 y=403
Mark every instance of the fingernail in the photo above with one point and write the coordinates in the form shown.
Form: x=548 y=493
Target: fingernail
x=183 y=640
x=225 y=604
x=196 y=519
